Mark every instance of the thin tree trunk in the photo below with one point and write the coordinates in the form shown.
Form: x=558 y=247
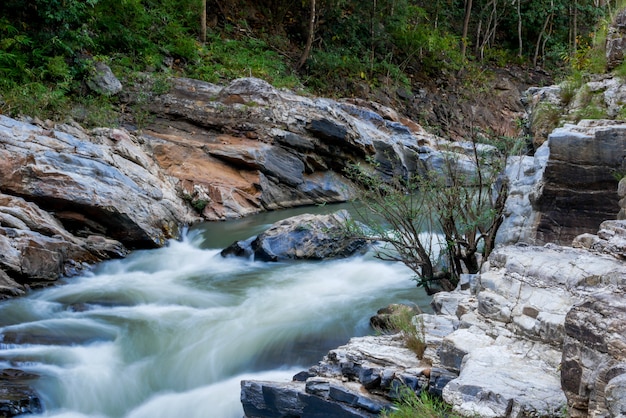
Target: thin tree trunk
x=468 y=12
x=203 y=21
x=575 y=25
x=542 y=33
x=519 y=27
x=309 y=38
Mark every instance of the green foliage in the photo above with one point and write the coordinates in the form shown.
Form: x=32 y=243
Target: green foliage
x=227 y=59
x=412 y=405
x=34 y=99
x=411 y=327
x=546 y=118
x=465 y=207
x=357 y=46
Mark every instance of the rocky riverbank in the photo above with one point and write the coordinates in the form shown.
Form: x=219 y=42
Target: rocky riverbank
x=538 y=332
x=71 y=197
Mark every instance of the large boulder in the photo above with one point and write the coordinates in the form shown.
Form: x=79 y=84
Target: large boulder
x=312 y=237
x=100 y=182
x=70 y=198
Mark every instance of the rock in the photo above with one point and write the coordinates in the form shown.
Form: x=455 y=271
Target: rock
x=593 y=370
x=386 y=318
x=313 y=237
x=36 y=249
x=9 y=287
x=17 y=397
x=611 y=239
x=358 y=379
x=506 y=381
x=102 y=184
x=103 y=81
x=269 y=149
x=538 y=103
x=568 y=188
x=616 y=40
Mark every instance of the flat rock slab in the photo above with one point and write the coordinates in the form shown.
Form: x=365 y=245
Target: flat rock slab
x=499 y=381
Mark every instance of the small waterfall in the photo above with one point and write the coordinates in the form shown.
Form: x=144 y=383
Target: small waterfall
x=171 y=332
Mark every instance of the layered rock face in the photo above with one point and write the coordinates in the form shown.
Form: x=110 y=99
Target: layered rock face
x=302 y=237
x=568 y=187
x=68 y=199
x=249 y=147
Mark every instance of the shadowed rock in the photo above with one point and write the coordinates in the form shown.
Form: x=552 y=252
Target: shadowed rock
x=312 y=237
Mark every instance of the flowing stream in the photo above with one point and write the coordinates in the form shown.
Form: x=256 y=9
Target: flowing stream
x=171 y=332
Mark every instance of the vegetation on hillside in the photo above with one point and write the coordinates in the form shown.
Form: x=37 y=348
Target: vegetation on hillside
x=48 y=48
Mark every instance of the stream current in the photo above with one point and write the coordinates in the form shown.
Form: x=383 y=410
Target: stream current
x=171 y=332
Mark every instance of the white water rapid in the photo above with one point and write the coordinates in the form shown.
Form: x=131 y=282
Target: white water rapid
x=171 y=332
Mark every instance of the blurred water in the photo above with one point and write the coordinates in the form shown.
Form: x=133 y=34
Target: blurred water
x=171 y=332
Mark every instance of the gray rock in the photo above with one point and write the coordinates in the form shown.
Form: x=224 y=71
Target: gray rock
x=313 y=237
x=568 y=188
x=594 y=355
x=616 y=40
x=359 y=379
x=103 y=81
x=506 y=381
x=100 y=184
x=17 y=397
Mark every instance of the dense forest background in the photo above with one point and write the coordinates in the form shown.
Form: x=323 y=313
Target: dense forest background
x=48 y=48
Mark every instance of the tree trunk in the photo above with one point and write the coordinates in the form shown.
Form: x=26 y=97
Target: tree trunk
x=203 y=21
x=542 y=33
x=309 y=38
x=468 y=12
x=519 y=27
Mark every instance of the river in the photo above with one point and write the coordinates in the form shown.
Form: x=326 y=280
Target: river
x=171 y=332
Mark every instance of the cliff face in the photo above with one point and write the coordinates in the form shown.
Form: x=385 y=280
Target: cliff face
x=568 y=187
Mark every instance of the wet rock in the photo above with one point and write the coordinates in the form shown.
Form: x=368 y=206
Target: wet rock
x=17 y=397
x=359 y=379
x=313 y=237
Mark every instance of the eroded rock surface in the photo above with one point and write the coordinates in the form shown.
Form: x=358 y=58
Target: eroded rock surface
x=356 y=380
x=310 y=237
x=568 y=187
x=249 y=147
x=69 y=198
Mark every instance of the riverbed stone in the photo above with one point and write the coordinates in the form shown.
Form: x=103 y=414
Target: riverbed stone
x=17 y=397
x=313 y=237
